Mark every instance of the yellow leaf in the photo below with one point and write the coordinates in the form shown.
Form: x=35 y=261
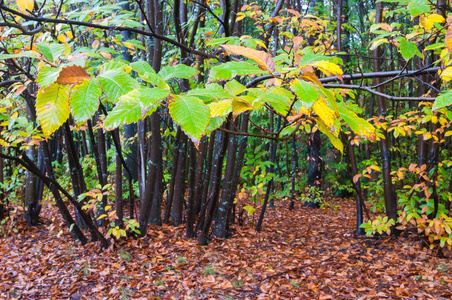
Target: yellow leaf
x=376 y=168
x=52 y=107
x=129 y=45
x=263 y=59
x=446 y=74
x=435 y=18
x=239 y=106
x=328 y=68
x=220 y=108
x=427 y=22
x=378 y=43
x=95 y=44
x=240 y=16
x=62 y=38
x=325 y=114
x=412 y=35
x=25 y=5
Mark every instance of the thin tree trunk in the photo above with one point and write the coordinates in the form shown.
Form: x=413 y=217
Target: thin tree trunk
x=179 y=187
x=389 y=193
x=191 y=209
x=217 y=168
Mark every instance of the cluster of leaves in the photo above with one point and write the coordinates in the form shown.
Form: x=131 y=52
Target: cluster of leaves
x=66 y=86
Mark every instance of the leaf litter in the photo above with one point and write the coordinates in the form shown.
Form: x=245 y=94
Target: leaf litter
x=303 y=253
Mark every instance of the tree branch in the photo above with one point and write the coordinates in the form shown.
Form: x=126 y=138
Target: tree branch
x=370 y=90
x=104 y=27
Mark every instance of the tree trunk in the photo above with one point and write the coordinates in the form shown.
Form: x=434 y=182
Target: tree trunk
x=389 y=193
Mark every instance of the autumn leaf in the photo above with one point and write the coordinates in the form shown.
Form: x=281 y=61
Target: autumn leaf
x=448 y=39
x=263 y=59
x=25 y=5
x=72 y=75
x=328 y=68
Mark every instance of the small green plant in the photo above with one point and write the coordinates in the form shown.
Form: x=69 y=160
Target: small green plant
x=380 y=225
x=125 y=293
x=237 y=283
x=209 y=270
x=125 y=255
x=330 y=205
x=181 y=260
x=294 y=283
x=313 y=195
x=158 y=281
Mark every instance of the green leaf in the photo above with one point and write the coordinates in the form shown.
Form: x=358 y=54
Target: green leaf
x=113 y=65
x=211 y=91
x=408 y=49
x=215 y=42
x=288 y=130
x=178 y=71
x=116 y=83
x=155 y=80
x=233 y=68
x=305 y=91
x=126 y=111
x=435 y=46
x=31 y=54
x=51 y=51
x=310 y=57
x=278 y=97
x=151 y=96
x=142 y=67
x=52 y=108
x=418 y=7
x=235 y=88
x=134 y=106
x=48 y=75
x=443 y=100
x=360 y=127
x=215 y=123
x=191 y=114
x=84 y=99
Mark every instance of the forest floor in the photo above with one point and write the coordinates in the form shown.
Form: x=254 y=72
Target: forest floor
x=300 y=254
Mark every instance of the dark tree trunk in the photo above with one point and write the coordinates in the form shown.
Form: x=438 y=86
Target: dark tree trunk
x=191 y=209
x=389 y=193
x=215 y=186
x=294 y=172
x=206 y=182
x=179 y=187
x=314 y=169
x=154 y=163
x=220 y=227
x=169 y=198
x=274 y=147
x=2 y=191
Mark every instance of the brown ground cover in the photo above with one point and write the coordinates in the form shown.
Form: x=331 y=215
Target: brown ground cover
x=300 y=254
